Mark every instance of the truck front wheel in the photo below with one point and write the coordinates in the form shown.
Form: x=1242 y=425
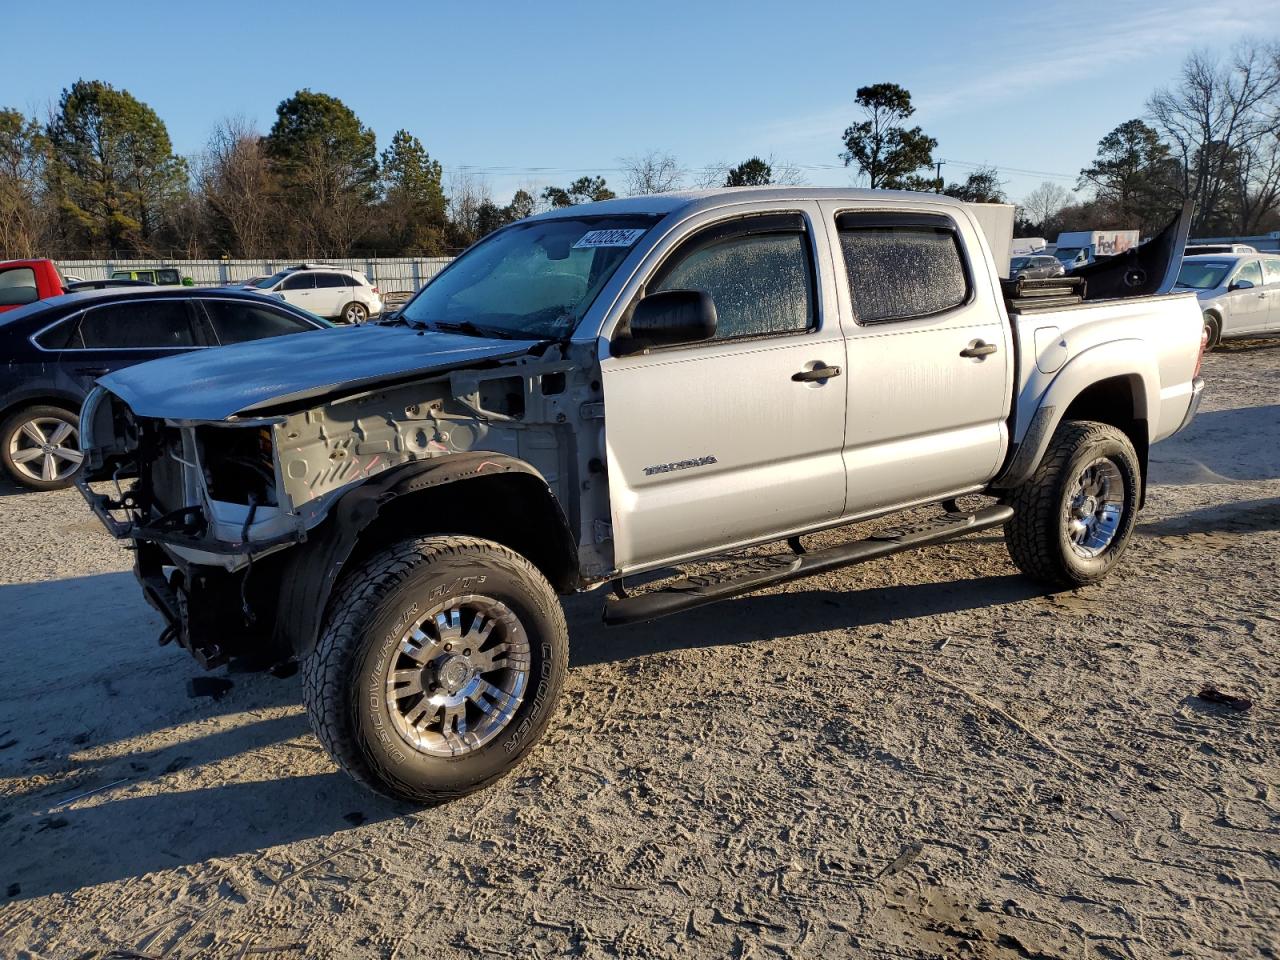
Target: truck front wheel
x=438 y=668
x=1075 y=515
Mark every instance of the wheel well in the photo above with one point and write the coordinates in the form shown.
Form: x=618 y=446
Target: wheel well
x=513 y=509
x=1115 y=401
x=39 y=400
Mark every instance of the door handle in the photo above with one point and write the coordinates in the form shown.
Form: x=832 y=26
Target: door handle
x=817 y=373
x=978 y=349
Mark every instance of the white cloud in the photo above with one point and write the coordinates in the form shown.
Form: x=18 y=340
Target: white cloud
x=1042 y=60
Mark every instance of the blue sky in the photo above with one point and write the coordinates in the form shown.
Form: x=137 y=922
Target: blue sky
x=531 y=93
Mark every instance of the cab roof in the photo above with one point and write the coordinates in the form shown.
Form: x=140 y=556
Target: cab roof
x=690 y=201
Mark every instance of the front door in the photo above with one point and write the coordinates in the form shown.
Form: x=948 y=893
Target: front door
x=930 y=356
x=1247 y=307
x=299 y=289
x=730 y=440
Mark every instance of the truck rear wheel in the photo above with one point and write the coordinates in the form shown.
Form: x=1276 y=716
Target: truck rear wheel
x=438 y=668
x=1075 y=515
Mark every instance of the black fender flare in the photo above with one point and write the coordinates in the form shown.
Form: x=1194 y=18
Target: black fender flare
x=312 y=568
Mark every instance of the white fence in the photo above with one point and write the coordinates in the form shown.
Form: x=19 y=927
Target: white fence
x=388 y=274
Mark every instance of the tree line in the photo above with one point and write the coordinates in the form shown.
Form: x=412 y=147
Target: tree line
x=99 y=176
x=1211 y=137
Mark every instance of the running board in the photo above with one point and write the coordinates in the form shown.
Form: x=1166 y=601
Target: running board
x=698 y=591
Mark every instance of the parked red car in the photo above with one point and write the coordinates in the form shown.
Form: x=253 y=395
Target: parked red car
x=26 y=281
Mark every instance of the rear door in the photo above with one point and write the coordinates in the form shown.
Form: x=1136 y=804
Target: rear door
x=930 y=356
x=1271 y=274
x=725 y=441
x=333 y=292
x=117 y=335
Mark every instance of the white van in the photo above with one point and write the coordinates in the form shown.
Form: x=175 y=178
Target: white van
x=1085 y=246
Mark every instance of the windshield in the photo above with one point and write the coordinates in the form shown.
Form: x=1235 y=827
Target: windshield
x=1067 y=254
x=532 y=280
x=1202 y=274
x=270 y=281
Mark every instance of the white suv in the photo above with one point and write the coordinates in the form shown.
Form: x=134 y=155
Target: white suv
x=333 y=292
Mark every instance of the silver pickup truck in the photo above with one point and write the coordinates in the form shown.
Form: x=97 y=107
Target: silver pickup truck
x=618 y=388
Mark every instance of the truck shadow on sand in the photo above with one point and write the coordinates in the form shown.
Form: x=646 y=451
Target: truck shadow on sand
x=778 y=616
x=56 y=849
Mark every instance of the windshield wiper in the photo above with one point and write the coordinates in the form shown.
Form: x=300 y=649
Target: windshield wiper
x=469 y=329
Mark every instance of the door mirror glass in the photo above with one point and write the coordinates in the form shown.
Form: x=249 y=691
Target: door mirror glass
x=668 y=318
x=1242 y=285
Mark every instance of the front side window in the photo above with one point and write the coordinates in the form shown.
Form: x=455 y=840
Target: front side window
x=902 y=270
x=1250 y=271
x=156 y=324
x=299 y=281
x=533 y=279
x=757 y=273
x=237 y=322
x=17 y=287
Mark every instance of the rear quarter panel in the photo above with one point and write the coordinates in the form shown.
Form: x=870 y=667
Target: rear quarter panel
x=1153 y=339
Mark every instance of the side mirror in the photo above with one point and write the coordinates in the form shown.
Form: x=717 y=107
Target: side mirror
x=1241 y=285
x=668 y=318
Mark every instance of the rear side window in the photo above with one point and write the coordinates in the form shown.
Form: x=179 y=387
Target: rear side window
x=902 y=268
x=331 y=280
x=18 y=286
x=237 y=322
x=155 y=324
x=757 y=270
x=60 y=337
x=1272 y=269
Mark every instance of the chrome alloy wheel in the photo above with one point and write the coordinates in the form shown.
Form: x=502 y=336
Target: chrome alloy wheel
x=46 y=448
x=458 y=676
x=356 y=313
x=1094 y=508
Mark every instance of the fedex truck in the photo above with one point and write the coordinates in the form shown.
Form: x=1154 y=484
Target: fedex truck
x=1086 y=246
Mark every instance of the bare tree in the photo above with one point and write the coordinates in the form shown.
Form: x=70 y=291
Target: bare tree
x=654 y=172
x=468 y=196
x=1221 y=119
x=236 y=182
x=1042 y=204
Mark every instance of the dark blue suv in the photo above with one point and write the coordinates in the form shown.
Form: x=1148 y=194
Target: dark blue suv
x=53 y=350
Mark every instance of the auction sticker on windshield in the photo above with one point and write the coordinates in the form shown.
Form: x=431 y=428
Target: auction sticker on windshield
x=608 y=238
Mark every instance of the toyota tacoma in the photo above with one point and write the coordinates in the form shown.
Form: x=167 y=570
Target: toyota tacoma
x=612 y=390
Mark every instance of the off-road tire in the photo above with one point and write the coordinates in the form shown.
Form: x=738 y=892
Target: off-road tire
x=340 y=679
x=12 y=423
x=1037 y=535
x=354 y=312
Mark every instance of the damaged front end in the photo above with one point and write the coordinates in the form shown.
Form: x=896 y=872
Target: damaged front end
x=212 y=507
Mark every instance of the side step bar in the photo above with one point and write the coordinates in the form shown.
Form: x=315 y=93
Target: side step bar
x=698 y=591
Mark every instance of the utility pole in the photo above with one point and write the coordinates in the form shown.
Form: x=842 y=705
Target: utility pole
x=937 y=183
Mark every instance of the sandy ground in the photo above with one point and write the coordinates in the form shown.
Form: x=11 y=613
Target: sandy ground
x=921 y=757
